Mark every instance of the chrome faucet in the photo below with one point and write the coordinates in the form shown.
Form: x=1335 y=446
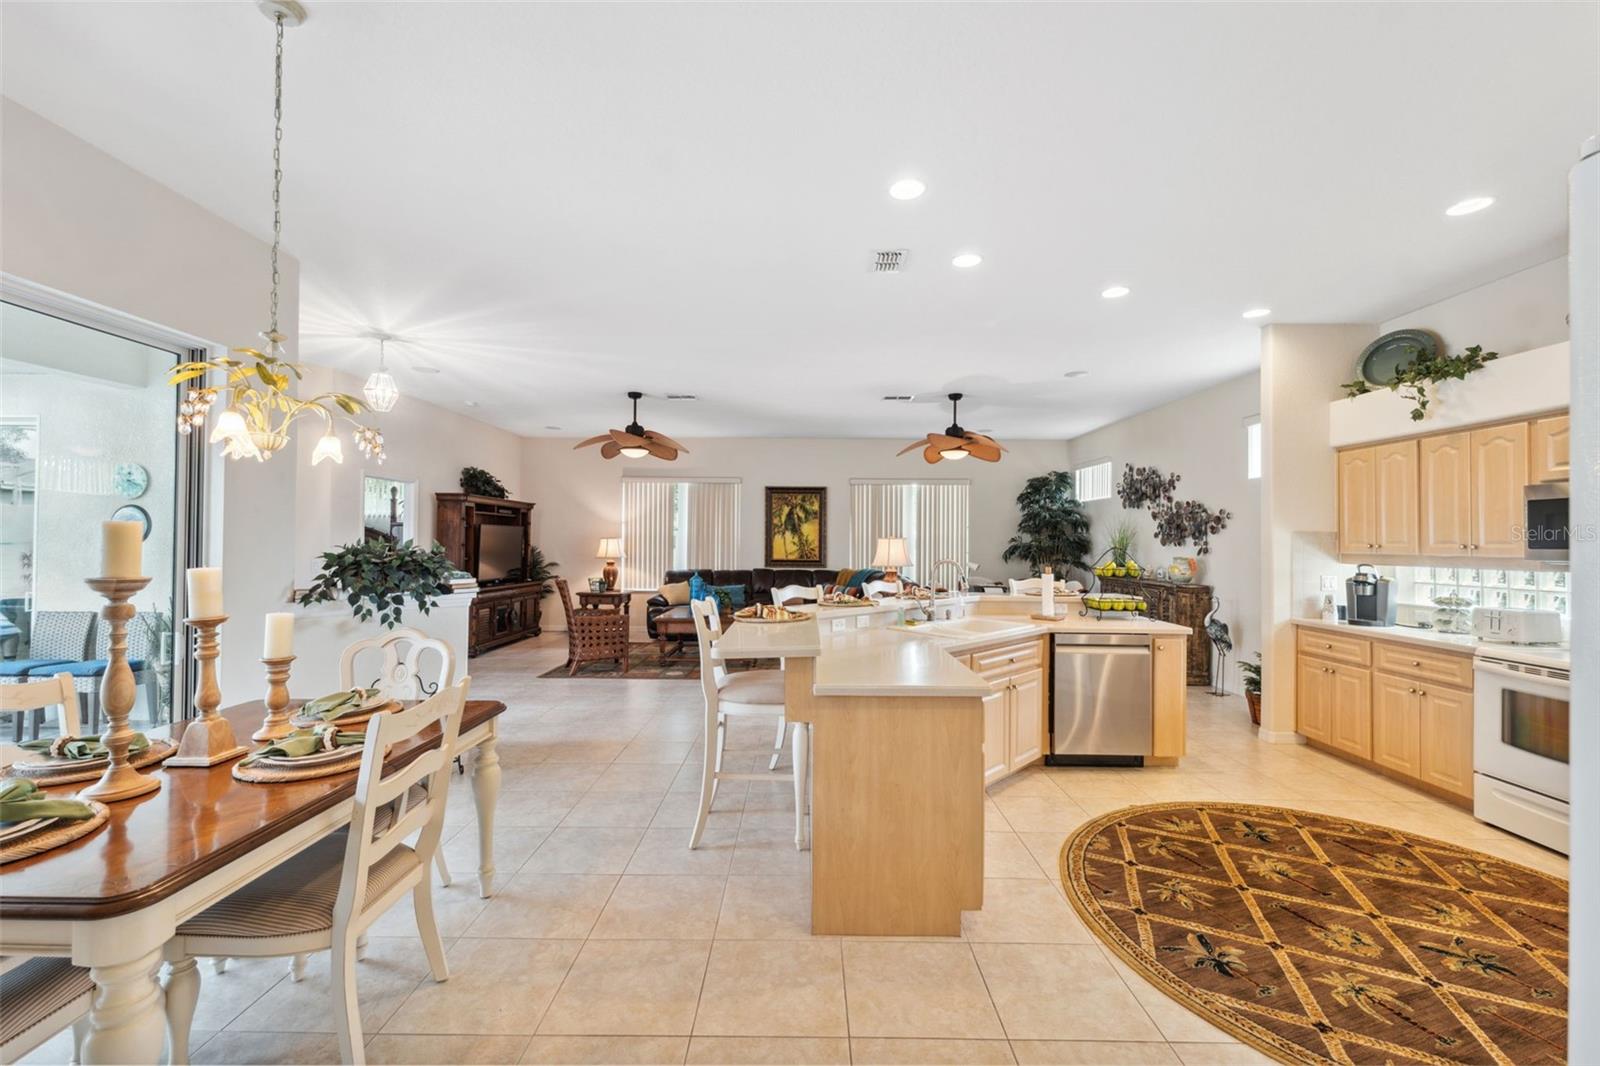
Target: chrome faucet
x=960 y=569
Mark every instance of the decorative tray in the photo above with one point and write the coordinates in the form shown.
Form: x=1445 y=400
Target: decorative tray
x=767 y=614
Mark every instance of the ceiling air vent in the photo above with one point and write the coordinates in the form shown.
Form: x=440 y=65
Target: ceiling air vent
x=904 y=397
x=682 y=396
x=889 y=261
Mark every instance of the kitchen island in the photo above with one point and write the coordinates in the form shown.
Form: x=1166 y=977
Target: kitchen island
x=903 y=729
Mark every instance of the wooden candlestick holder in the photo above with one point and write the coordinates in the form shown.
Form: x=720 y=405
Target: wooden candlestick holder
x=117 y=694
x=209 y=739
x=275 y=726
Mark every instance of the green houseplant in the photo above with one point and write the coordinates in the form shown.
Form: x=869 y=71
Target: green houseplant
x=1252 y=687
x=1052 y=529
x=1121 y=542
x=477 y=481
x=540 y=569
x=1412 y=379
x=375 y=577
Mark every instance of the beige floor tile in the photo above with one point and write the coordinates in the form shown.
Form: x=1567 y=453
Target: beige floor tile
x=498 y=987
x=391 y=969
x=1220 y=1055
x=634 y=809
x=587 y=850
x=248 y=1048
x=513 y=846
x=607 y=1050
x=1024 y=912
x=766 y=908
x=1060 y=991
x=1092 y=1053
x=769 y=850
x=1046 y=851
x=413 y=1049
x=773 y=988
x=1005 y=855
x=1176 y=1022
x=780 y=1051
x=1036 y=814
x=554 y=777
x=901 y=989
x=667 y=851
x=224 y=996
x=876 y=1051
x=653 y=750
x=544 y=906
x=455 y=908
x=635 y=777
x=525 y=809
x=661 y=907
x=630 y=988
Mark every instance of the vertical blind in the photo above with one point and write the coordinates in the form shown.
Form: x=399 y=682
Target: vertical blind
x=711 y=526
x=934 y=517
x=646 y=532
x=669 y=523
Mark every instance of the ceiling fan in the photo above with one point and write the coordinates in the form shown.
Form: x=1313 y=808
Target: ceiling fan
x=634 y=441
x=956 y=443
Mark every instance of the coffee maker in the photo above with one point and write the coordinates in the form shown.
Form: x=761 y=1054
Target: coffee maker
x=1369 y=599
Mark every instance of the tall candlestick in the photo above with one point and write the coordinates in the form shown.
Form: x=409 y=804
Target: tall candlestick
x=276 y=726
x=279 y=640
x=205 y=592
x=209 y=739
x=117 y=694
x=121 y=549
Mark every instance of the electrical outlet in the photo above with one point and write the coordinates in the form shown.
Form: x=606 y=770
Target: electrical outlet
x=838 y=625
x=1330 y=583
x=861 y=621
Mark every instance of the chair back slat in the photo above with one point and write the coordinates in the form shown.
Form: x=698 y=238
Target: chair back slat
x=707 y=631
x=54 y=692
x=427 y=665
x=787 y=594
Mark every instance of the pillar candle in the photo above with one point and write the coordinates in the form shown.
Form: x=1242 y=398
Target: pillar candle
x=205 y=592
x=121 y=549
x=279 y=643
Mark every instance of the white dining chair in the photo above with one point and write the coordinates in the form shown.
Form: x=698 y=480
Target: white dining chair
x=1034 y=586
x=753 y=692
x=38 y=998
x=326 y=896
x=784 y=595
x=29 y=696
x=873 y=589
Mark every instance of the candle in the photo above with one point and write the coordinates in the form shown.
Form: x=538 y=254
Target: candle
x=121 y=549
x=279 y=643
x=205 y=592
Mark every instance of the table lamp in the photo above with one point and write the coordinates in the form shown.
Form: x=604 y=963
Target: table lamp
x=891 y=555
x=610 y=550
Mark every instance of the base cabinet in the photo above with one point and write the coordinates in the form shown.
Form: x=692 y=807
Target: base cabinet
x=996 y=735
x=1013 y=712
x=1446 y=721
x=1396 y=725
x=504 y=614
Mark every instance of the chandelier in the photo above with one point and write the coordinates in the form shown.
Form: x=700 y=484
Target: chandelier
x=257 y=407
x=380 y=390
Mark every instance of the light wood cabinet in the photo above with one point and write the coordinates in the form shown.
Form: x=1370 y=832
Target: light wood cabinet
x=1396 y=724
x=1378 y=499
x=1313 y=699
x=996 y=735
x=1499 y=474
x=1014 y=710
x=1549 y=449
x=1350 y=720
x=1445 y=487
x=1027 y=718
x=1446 y=739
x=1169 y=700
x=1358 y=487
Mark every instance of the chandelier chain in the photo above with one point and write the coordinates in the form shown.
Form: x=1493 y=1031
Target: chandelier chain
x=277 y=168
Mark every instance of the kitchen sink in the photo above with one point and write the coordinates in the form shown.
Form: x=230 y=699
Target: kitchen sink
x=965 y=628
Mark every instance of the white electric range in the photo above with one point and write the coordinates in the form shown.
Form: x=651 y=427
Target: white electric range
x=1521 y=719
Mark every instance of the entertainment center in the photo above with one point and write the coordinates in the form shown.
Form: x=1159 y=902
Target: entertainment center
x=489 y=538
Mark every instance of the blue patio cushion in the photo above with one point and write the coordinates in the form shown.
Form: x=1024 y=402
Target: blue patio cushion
x=87 y=668
x=26 y=667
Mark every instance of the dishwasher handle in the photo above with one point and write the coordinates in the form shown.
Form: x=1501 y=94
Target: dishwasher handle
x=1103 y=640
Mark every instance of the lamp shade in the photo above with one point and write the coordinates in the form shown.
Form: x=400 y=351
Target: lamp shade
x=610 y=548
x=891 y=553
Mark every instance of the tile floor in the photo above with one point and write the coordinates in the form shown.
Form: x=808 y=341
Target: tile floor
x=608 y=941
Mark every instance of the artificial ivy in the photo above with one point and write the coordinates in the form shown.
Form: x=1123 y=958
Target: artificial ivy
x=376 y=576
x=477 y=481
x=1412 y=379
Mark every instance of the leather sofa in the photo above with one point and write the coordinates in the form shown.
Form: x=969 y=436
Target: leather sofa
x=758 y=585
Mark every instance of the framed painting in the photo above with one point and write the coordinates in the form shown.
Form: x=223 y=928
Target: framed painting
x=797 y=526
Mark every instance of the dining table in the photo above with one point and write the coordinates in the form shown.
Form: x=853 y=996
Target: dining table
x=112 y=900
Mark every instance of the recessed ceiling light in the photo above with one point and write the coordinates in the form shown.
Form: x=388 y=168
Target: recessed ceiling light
x=1470 y=206
x=424 y=370
x=1258 y=312
x=1074 y=373
x=471 y=403
x=552 y=427
x=907 y=189
x=1116 y=292
x=966 y=260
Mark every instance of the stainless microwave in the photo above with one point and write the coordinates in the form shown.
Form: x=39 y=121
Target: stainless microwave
x=1545 y=521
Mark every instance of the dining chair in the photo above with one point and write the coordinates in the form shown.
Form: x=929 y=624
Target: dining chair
x=327 y=896
x=88 y=673
x=34 y=696
x=400 y=678
x=873 y=589
x=38 y=998
x=750 y=693
x=1032 y=586
x=593 y=633
x=784 y=595
x=55 y=639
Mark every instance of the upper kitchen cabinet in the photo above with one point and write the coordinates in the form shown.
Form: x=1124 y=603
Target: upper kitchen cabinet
x=1499 y=474
x=1548 y=449
x=1445 y=476
x=1378 y=499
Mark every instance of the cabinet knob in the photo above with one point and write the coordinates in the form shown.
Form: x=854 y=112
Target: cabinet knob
x=1474 y=547
x=1422 y=692
x=1412 y=691
x=1463 y=547
x=1327 y=645
x=1416 y=662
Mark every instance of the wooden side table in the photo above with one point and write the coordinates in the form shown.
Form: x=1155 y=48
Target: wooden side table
x=617 y=601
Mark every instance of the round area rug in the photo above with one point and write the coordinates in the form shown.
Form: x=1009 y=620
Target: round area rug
x=1321 y=939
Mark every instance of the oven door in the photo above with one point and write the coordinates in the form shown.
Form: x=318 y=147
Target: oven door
x=1520 y=728
x=1545 y=521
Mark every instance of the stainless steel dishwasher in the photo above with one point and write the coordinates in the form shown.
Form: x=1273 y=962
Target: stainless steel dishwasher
x=1100 y=709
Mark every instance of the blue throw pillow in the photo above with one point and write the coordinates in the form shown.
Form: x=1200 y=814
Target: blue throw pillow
x=699 y=590
x=735 y=594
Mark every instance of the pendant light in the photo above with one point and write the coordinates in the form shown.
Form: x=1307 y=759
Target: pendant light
x=380 y=389
x=258 y=409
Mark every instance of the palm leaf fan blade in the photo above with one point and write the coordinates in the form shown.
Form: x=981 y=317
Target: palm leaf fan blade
x=662 y=438
x=913 y=446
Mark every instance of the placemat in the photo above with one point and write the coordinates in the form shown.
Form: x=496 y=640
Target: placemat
x=66 y=772
x=259 y=774
x=349 y=722
x=57 y=833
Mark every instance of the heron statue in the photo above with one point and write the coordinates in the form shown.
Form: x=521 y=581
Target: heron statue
x=1222 y=642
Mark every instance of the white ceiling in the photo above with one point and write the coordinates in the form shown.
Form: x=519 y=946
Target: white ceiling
x=556 y=203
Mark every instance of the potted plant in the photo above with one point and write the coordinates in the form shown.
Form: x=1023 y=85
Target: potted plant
x=1052 y=531
x=1252 y=687
x=375 y=577
x=540 y=570
x=476 y=481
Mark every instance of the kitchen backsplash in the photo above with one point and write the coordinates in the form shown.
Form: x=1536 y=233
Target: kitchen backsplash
x=1417 y=586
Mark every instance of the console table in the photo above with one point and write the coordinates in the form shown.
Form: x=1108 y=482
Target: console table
x=1184 y=605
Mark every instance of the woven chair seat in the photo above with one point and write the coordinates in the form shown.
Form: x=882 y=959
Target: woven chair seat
x=36 y=989
x=296 y=897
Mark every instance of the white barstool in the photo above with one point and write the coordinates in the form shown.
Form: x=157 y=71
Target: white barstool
x=783 y=596
x=873 y=589
x=753 y=692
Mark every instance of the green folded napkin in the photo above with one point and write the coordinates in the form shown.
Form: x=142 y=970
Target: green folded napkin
x=21 y=800
x=82 y=748
x=304 y=742
x=337 y=704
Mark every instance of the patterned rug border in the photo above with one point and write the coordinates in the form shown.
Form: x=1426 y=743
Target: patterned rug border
x=1180 y=992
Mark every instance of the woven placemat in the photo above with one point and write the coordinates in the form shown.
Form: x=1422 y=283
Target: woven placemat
x=260 y=774
x=350 y=722
x=65 y=772
x=54 y=835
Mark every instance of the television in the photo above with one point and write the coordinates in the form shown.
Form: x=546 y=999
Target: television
x=499 y=553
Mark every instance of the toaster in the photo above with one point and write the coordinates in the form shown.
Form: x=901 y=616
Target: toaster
x=1516 y=625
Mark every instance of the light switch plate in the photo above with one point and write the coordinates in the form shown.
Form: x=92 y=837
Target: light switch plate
x=1329 y=583
x=838 y=625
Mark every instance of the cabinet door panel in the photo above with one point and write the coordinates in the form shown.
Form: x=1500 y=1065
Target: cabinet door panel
x=1358 y=531
x=1395 y=522
x=996 y=735
x=1444 y=475
x=1446 y=718
x=1396 y=724
x=1027 y=718
x=1350 y=711
x=1311 y=699
x=1169 y=700
x=1550 y=449
x=1499 y=474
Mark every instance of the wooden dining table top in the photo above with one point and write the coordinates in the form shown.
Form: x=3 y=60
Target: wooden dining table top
x=200 y=820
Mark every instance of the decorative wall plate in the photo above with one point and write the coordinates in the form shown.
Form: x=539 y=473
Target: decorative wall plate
x=132 y=512
x=130 y=480
x=1383 y=358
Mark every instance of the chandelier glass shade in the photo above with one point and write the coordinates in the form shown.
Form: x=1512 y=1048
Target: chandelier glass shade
x=380 y=390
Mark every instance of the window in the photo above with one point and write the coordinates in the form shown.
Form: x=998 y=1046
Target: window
x=677 y=525
x=386 y=509
x=1252 y=448
x=933 y=517
x=1548 y=589
x=1093 y=482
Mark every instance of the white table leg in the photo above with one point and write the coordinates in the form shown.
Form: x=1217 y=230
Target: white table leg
x=127 y=1022
x=183 y=993
x=485 y=793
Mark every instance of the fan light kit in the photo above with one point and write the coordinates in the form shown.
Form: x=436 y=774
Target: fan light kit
x=1258 y=312
x=966 y=260
x=634 y=441
x=1116 y=292
x=907 y=189
x=955 y=443
x=1470 y=206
